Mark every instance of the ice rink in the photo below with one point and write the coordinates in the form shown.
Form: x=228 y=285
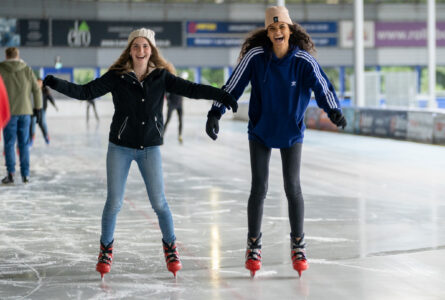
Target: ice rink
x=374 y=221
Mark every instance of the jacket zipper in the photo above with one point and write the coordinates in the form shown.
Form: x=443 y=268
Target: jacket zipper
x=124 y=124
x=157 y=127
x=134 y=77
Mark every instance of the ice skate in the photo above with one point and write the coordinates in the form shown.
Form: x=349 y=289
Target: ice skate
x=172 y=257
x=253 y=255
x=298 y=254
x=105 y=259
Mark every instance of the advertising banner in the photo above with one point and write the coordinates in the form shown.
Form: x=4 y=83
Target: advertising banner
x=406 y=34
x=347 y=34
x=9 y=35
x=233 y=34
x=383 y=123
x=439 y=129
x=199 y=27
x=33 y=33
x=320 y=27
x=420 y=126
x=84 y=33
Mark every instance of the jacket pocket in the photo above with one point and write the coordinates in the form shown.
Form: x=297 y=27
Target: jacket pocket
x=158 y=127
x=121 y=130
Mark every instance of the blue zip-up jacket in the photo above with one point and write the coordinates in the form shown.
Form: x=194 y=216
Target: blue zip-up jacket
x=281 y=91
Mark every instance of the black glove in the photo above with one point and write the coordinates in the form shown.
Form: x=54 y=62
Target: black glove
x=337 y=118
x=212 y=125
x=229 y=101
x=50 y=81
x=38 y=115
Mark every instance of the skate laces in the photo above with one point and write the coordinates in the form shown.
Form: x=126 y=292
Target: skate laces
x=170 y=252
x=106 y=253
x=298 y=248
x=253 y=249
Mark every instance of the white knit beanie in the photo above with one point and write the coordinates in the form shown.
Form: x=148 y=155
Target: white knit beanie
x=277 y=14
x=143 y=32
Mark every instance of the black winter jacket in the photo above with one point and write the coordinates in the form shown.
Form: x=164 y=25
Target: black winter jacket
x=138 y=120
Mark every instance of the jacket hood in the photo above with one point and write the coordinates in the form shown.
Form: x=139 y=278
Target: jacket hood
x=13 y=65
x=284 y=60
x=272 y=58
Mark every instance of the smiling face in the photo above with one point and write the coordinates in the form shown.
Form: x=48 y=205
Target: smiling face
x=279 y=34
x=140 y=52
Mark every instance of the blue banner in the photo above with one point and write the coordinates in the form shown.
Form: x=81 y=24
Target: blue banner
x=324 y=41
x=320 y=27
x=199 y=27
x=214 y=42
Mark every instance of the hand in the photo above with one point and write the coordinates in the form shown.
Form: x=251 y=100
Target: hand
x=38 y=115
x=50 y=81
x=337 y=118
x=212 y=125
x=229 y=101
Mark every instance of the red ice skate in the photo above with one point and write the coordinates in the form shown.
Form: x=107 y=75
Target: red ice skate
x=105 y=259
x=172 y=257
x=298 y=254
x=253 y=255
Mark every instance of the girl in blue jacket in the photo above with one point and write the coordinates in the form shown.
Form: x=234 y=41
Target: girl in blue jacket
x=277 y=61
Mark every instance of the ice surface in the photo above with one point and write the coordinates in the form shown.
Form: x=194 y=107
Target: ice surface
x=375 y=211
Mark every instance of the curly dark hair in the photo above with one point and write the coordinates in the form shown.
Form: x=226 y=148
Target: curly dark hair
x=298 y=37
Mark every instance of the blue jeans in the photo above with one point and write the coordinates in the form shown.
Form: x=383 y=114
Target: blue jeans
x=17 y=129
x=150 y=165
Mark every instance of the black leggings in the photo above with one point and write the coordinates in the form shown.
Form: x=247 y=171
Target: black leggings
x=259 y=162
x=169 y=115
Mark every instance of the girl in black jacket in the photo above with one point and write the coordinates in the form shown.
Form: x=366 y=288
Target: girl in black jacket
x=138 y=81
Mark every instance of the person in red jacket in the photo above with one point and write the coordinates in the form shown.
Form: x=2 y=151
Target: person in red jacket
x=5 y=114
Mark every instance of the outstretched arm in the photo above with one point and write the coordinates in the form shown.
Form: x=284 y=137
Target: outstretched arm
x=236 y=84
x=89 y=91
x=177 y=85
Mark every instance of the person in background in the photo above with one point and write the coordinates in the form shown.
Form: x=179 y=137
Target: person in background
x=174 y=102
x=92 y=104
x=277 y=61
x=5 y=114
x=20 y=82
x=46 y=96
x=138 y=81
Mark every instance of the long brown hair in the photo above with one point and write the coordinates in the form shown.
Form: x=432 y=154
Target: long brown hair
x=124 y=63
x=298 y=37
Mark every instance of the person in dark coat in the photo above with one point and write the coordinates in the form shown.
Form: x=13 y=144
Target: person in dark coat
x=138 y=81
x=46 y=96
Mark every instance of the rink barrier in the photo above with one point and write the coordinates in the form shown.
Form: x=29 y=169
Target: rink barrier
x=399 y=124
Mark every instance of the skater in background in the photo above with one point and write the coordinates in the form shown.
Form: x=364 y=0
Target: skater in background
x=138 y=81
x=20 y=82
x=92 y=104
x=46 y=96
x=174 y=102
x=277 y=61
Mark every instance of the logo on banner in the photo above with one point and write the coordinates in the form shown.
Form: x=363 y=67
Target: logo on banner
x=80 y=35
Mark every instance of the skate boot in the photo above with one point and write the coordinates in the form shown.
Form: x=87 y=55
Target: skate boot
x=298 y=254
x=172 y=257
x=9 y=179
x=253 y=255
x=105 y=259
